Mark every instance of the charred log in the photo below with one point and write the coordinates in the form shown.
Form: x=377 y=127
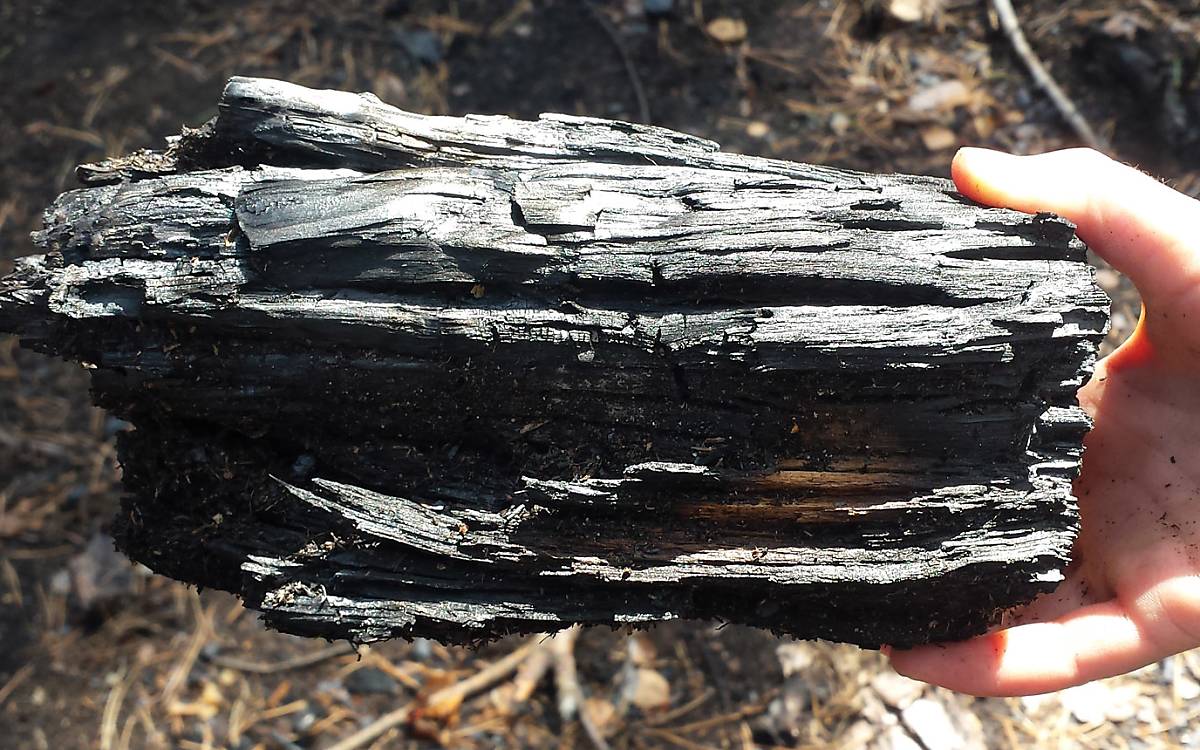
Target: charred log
x=396 y=375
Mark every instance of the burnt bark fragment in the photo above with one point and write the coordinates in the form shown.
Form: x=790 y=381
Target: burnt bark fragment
x=398 y=375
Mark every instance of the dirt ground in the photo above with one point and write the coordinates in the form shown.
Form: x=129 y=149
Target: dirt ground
x=98 y=653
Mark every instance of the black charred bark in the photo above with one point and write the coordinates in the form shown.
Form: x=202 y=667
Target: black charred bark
x=398 y=375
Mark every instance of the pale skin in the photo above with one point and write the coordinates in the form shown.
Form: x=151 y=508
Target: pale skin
x=1132 y=594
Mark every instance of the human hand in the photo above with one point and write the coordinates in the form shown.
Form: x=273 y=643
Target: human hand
x=1132 y=592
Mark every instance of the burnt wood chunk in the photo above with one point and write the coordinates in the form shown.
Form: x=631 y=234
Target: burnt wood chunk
x=400 y=375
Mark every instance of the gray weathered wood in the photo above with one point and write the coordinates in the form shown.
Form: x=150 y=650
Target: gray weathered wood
x=394 y=374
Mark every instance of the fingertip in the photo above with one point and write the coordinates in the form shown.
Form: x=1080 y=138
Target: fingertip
x=984 y=174
x=1142 y=227
x=967 y=157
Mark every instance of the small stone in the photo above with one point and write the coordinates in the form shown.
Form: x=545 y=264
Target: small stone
x=335 y=690
x=303 y=721
x=758 y=129
x=790 y=712
x=727 y=30
x=422 y=649
x=874 y=710
x=370 y=680
x=895 y=738
x=795 y=657
x=856 y=736
x=60 y=583
x=897 y=690
x=930 y=722
x=1190 y=738
x=1035 y=704
x=839 y=123
x=99 y=574
x=912 y=11
x=1186 y=688
x=1097 y=702
x=1108 y=278
x=421 y=44
x=303 y=465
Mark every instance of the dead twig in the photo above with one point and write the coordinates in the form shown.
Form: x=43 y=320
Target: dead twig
x=443 y=701
x=635 y=80
x=674 y=739
x=304 y=660
x=14 y=682
x=179 y=674
x=1041 y=76
x=112 y=707
x=742 y=713
x=665 y=718
x=41 y=127
x=566 y=683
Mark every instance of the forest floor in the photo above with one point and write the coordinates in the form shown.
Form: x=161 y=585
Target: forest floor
x=99 y=653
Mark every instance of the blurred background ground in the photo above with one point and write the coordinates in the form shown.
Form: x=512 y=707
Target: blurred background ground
x=98 y=653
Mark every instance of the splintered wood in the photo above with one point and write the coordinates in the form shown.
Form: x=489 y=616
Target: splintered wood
x=398 y=375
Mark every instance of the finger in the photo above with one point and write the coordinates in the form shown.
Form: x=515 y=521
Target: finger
x=1081 y=589
x=1143 y=228
x=1098 y=641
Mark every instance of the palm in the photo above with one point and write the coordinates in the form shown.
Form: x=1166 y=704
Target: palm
x=1139 y=544
x=1132 y=593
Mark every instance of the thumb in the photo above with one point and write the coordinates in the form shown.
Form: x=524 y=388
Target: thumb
x=1146 y=230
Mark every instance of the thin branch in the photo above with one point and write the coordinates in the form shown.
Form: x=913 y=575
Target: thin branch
x=442 y=701
x=304 y=660
x=1012 y=30
x=635 y=80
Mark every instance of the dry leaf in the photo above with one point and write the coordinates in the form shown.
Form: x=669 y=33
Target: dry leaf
x=602 y=713
x=938 y=137
x=727 y=30
x=940 y=97
x=651 y=690
x=985 y=125
x=641 y=650
x=758 y=129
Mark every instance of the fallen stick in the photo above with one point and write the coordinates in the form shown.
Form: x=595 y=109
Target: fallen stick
x=441 y=702
x=1011 y=26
